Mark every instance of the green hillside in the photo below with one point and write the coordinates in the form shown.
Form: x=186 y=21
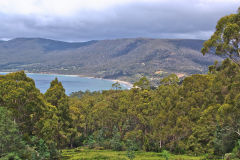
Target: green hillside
x=125 y=59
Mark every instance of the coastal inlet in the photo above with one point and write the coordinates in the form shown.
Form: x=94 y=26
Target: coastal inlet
x=72 y=83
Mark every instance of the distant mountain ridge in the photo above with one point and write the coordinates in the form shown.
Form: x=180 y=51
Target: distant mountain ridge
x=125 y=59
x=47 y=44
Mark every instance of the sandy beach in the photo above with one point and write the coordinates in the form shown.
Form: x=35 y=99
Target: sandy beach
x=128 y=84
x=125 y=83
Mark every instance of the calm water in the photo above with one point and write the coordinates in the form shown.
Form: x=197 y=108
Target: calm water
x=71 y=83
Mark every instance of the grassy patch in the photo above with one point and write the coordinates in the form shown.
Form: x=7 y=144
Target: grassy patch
x=91 y=154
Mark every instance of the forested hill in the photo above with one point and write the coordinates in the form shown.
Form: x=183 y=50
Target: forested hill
x=125 y=59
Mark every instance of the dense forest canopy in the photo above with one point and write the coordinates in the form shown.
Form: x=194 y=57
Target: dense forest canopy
x=199 y=115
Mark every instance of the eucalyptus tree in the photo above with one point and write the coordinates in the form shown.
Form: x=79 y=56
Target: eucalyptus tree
x=226 y=39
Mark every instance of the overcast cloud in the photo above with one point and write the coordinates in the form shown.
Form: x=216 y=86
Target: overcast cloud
x=82 y=20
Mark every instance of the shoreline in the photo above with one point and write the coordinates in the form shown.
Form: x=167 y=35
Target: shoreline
x=125 y=83
x=128 y=85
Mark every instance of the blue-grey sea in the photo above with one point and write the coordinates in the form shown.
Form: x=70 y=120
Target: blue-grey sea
x=71 y=83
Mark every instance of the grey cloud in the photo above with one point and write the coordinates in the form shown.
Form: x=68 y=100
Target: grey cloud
x=173 y=19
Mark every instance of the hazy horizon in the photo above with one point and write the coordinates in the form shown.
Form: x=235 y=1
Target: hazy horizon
x=100 y=39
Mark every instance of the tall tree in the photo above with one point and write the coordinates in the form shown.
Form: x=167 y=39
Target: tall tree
x=143 y=83
x=56 y=96
x=19 y=94
x=226 y=38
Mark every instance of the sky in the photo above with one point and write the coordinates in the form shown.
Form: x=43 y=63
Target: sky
x=84 y=20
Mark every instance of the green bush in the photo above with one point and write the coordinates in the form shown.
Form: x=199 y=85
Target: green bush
x=91 y=143
x=41 y=149
x=165 y=154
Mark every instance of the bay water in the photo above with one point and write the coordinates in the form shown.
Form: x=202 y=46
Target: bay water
x=71 y=83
